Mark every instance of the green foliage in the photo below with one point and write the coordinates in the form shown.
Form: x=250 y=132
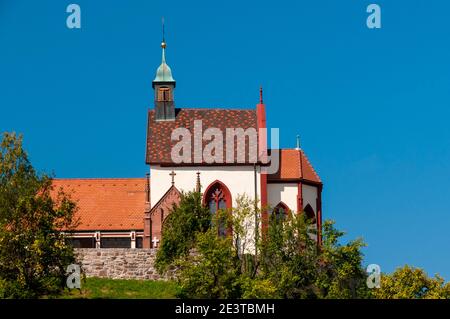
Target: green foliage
x=289 y=255
x=33 y=251
x=211 y=272
x=180 y=228
x=258 y=288
x=288 y=262
x=411 y=283
x=341 y=274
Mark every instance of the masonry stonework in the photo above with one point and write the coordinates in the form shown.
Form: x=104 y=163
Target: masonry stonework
x=120 y=263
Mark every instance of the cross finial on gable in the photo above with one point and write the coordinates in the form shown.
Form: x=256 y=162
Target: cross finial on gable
x=172 y=174
x=198 y=186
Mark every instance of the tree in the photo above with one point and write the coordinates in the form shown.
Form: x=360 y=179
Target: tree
x=212 y=271
x=288 y=262
x=220 y=267
x=289 y=256
x=33 y=249
x=341 y=274
x=180 y=228
x=411 y=283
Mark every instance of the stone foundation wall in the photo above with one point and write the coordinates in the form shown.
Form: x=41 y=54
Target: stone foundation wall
x=120 y=263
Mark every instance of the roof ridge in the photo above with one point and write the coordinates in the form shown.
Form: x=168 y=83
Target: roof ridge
x=312 y=167
x=300 y=167
x=216 y=109
x=98 y=178
x=213 y=108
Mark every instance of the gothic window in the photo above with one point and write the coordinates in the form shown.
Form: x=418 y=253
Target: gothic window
x=217 y=197
x=280 y=211
x=164 y=94
x=310 y=213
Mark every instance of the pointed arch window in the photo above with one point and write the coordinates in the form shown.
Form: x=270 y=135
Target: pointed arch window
x=280 y=211
x=310 y=215
x=218 y=197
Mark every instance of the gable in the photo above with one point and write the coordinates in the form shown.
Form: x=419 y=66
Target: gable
x=172 y=196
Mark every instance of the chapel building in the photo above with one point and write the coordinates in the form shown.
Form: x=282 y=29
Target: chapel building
x=189 y=149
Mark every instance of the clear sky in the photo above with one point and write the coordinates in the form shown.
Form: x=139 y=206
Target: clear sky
x=371 y=106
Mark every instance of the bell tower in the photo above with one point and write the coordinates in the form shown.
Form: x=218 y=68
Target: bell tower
x=164 y=85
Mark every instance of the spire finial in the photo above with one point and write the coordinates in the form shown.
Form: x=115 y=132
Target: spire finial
x=261 y=95
x=163 y=43
x=198 y=186
x=163 y=73
x=298 y=143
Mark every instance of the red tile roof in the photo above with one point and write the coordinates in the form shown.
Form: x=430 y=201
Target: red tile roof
x=294 y=164
x=107 y=204
x=159 y=143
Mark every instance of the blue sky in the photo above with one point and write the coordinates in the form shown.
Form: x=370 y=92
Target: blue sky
x=371 y=106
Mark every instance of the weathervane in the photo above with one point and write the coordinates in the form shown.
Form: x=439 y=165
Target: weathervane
x=163 y=44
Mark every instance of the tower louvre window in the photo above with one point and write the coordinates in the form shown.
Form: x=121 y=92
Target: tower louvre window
x=164 y=94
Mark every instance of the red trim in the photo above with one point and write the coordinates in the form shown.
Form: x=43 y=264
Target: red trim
x=104 y=234
x=262 y=145
x=293 y=180
x=171 y=164
x=319 y=215
x=299 y=197
x=146 y=243
x=226 y=193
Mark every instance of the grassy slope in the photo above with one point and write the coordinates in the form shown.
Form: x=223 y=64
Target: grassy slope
x=122 y=289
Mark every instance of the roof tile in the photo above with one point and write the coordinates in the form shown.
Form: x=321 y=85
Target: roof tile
x=294 y=164
x=107 y=204
x=159 y=143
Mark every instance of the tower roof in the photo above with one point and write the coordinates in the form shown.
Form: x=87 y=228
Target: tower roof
x=163 y=73
x=294 y=166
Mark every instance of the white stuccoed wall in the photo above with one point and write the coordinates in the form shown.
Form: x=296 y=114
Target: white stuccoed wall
x=310 y=197
x=238 y=179
x=282 y=192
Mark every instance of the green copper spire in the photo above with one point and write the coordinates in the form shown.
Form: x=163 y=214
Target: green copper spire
x=164 y=73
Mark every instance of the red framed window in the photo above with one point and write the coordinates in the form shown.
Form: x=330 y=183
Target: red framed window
x=218 y=197
x=280 y=211
x=310 y=215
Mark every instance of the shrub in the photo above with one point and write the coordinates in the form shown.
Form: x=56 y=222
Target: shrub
x=33 y=250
